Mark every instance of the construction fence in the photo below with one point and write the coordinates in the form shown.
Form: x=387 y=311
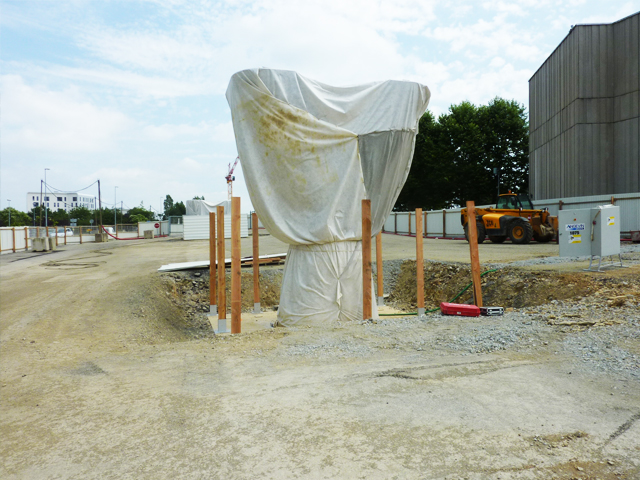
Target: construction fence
x=14 y=239
x=446 y=223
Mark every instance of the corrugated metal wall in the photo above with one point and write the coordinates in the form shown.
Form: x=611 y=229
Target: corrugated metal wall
x=196 y=227
x=584 y=114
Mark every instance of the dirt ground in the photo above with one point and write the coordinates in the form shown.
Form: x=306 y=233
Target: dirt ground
x=103 y=375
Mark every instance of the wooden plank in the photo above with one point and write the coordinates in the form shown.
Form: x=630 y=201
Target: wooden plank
x=256 y=262
x=366 y=260
x=222 y=287
x=475 y=258
x=213 y=297
x=420 y=262
x=379 y=270
x=236 y=300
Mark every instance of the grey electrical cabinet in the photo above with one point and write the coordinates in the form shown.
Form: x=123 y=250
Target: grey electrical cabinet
x=574 y=232
x=605 y=221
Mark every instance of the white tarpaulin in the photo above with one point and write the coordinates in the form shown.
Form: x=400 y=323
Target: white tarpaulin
x=202 y=207
x=310 y=153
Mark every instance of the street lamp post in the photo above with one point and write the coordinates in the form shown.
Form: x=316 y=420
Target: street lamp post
x=46 y=222
x=115 y=222
x=9 y=210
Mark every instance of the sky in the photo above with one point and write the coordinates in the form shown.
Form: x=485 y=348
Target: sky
x=132 y=92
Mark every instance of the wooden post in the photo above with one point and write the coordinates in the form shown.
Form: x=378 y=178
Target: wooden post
x=65 y=235
x=222 y=288
x=13 y=233
x=26 y=239
x=475 y=258
x=409 y=223
x=426 y=229
x=379 y=270
x=366 y=260
x=419 y=263
x=139 y=234
x=38 y=232
x=256 y=262
x=80 y=231
x=236 y=297
x=444 y=223
x=213 y=306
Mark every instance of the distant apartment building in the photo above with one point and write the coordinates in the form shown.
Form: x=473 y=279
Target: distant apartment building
x=61 y=200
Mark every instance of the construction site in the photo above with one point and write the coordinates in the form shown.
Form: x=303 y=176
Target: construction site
x=337 y=339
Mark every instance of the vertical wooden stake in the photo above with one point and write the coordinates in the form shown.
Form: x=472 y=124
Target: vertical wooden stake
x=419 y=263
x=222 y=287
x=475 y=258
x=26 y=239
x=236 y=296
x=256 y=262
x=80 y=230
x=38 y=232
x=444 y=223
x=13 y=233
x=409 y=221
x=213 y=306
x=65 y=235
x=379 y=270
x=366 y=260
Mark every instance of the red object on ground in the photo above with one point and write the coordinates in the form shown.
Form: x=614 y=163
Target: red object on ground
x=459 y=309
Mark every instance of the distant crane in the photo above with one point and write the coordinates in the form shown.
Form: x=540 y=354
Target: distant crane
x=230 y=177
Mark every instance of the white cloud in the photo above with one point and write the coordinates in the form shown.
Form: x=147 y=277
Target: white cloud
x=38 y=119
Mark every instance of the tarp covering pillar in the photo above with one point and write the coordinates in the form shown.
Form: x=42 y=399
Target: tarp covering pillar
x=310 y=153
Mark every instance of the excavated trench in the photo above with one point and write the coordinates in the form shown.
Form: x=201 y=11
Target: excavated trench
x=508 y=287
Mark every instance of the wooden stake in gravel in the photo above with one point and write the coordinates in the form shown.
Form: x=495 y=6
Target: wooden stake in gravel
x=475 y=258
x=213 y=306
x=236 y=298
x=419 y=263
x=366 y=260
x=256 y=263
x=222 y=288
x=379 y=269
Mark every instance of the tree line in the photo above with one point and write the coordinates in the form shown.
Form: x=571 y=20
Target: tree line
x=83 y=216
x=464 y=153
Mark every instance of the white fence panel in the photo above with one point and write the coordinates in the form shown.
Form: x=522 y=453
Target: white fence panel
x=196 y=227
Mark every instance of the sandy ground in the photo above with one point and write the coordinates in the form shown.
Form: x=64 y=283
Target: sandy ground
x=99 y=380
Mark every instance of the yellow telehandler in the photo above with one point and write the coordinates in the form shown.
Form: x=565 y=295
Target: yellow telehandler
x=513 y=217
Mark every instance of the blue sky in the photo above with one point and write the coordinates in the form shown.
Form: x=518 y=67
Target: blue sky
x=132 y=92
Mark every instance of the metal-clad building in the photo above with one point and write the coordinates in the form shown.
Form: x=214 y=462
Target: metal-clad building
x=584 y=114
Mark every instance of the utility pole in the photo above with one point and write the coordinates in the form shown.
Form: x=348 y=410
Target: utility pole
x=46 y=221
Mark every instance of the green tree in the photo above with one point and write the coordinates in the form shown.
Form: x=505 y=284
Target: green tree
x=173 y=209
x=60 y=217
x=139 y=214
x=10 y=217
x=198 y=198
x=83 y=215
x=40 y=216
x=455 y=156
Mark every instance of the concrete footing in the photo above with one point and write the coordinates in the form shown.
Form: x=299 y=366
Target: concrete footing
x=256 y=307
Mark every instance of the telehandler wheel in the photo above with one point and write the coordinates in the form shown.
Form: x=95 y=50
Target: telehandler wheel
x=520 y=231
x=497 y=238
x=482 y=233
